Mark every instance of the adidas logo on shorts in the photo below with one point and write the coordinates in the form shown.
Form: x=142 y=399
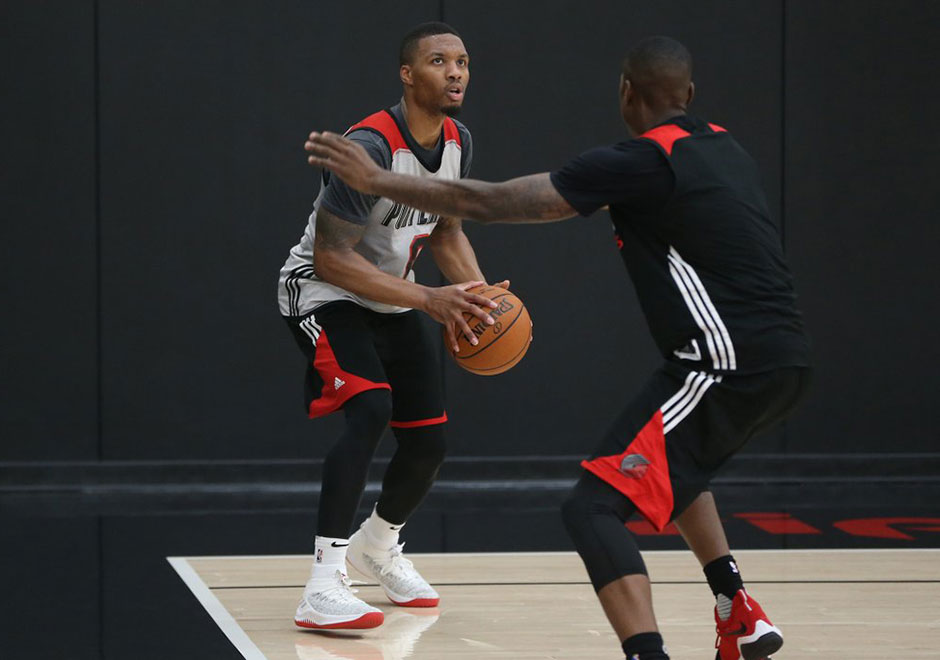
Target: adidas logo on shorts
x=337 y=383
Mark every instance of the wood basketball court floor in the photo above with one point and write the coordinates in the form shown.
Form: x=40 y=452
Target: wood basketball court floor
x=830 y=604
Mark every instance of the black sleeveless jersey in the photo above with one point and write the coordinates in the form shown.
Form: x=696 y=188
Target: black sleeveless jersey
x=694 y=230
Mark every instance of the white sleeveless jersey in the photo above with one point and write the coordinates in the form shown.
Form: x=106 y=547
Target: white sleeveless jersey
x=394 y=234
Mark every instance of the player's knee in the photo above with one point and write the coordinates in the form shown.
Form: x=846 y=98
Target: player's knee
x=426 y=449
x=434 y=449
x=370 y=412
x=576 y=512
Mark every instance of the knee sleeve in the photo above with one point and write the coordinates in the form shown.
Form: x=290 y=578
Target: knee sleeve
x=595 y=515
x=346 y=466
x=412 y=471
x=368 y=413
x=424 y=448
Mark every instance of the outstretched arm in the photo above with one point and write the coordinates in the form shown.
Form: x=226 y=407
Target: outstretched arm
x=530 y=198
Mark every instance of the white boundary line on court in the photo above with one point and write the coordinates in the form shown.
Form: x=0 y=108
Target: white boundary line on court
x=216 y=610
x=573 y=553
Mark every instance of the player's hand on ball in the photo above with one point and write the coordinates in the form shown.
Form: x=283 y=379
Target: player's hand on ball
x=448 y=304
x=343 y=157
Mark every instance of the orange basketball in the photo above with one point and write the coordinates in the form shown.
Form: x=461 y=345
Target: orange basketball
x=502 y=344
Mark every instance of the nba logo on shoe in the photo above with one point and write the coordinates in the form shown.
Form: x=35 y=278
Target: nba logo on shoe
x=634 y=466
x=320 y=555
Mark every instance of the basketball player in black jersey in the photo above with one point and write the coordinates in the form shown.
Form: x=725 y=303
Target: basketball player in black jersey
x=695 y=233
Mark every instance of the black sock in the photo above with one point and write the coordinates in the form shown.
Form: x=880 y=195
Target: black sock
x=645 y=646
x=723 y=576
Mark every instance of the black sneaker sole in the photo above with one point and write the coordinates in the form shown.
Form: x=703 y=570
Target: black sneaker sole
x=762 y=647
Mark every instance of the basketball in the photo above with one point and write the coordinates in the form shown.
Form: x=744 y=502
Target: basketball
x=502 y=344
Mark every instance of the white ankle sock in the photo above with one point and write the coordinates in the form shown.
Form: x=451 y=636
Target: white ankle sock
x=329 y=556
x=381 y=533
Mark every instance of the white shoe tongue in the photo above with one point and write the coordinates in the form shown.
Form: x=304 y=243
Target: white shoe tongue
x=723 y=604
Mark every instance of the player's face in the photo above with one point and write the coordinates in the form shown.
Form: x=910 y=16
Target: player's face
x=439 y=73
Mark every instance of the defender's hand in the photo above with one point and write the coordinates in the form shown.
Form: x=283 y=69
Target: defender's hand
x=447 y=305
x=343 y=157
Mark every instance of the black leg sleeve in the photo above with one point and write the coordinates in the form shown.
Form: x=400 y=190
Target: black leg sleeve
x=594 y=515
x=411 y=471
x=346 y=467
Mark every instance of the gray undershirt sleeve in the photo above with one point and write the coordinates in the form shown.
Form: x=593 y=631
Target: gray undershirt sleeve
x=345 y=202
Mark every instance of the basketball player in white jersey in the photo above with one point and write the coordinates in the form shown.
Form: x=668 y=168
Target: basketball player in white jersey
x=348 y=293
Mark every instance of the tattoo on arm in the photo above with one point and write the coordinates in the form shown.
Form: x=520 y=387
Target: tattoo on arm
x=448 y=225
x=334 y=233
x=531 y=199
x=526 y=199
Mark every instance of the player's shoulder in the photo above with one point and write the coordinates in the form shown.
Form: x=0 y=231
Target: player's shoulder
x=375 y=144
x=463 y=131
x=630 y=150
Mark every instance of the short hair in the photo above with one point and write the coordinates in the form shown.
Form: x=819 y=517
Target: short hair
x=409 y=42
x=658 y=66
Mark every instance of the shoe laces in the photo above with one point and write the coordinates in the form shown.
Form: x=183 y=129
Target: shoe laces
x=396 y=562
x=340 y=592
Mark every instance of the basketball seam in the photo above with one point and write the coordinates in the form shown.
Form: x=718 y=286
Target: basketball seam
x=518 y=356
x=501 y=335
x=502 y=295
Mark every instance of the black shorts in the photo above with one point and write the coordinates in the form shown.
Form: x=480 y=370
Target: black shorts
x=668 y=443
x=350 y=349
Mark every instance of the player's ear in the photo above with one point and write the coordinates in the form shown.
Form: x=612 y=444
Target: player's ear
x=691 y=96
x=626 y=91
x=404 y=73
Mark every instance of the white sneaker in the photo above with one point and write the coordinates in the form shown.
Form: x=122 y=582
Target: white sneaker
x=396 y=575
x=335 y=606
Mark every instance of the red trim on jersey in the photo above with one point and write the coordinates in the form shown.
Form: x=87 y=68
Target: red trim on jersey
x=419 y=422
x=332 y=399
x=451 y=132
x=665 y=136
x=385 y=124
x=650 y=490
x=717 y=128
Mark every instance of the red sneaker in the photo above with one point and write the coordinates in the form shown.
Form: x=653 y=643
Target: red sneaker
x=747 y=634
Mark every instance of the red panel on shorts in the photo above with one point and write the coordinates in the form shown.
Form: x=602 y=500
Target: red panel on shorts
x=338 y=386
x=717 y=128
x=647 y=485
x=666 y=136
x=385 y=124
x=419 y=422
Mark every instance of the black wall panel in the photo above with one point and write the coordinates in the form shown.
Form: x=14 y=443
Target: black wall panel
x=862 y=229
x=49 y=571
x=544 y=88
x=205 y=188
x=48 y=406
x=202 y=108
